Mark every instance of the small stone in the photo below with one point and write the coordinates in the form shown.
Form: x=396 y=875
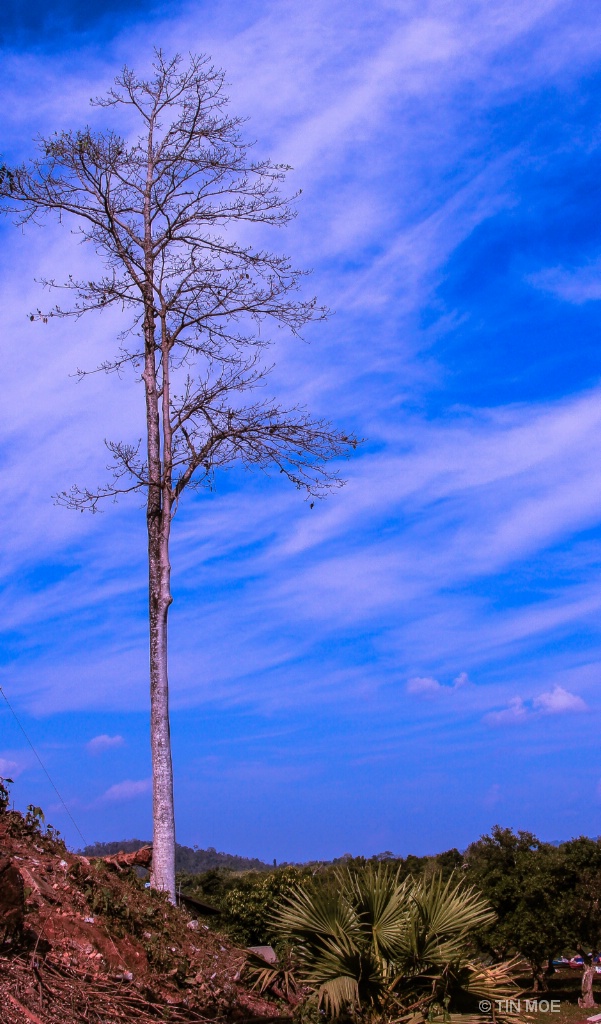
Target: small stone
x=89 y=920
x=128 y=976
x=193 y=925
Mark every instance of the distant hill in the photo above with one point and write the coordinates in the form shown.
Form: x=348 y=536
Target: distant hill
x=187 y=859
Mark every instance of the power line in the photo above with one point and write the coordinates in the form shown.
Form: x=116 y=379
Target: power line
x=42 y=765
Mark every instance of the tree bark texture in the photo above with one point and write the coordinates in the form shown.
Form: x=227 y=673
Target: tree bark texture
x=159 y=513
x=158 y=520
x=163 y=857
x=587 y=1000
x=539 y=981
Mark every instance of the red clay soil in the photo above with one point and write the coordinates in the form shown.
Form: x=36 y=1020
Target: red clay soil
x=83 y=941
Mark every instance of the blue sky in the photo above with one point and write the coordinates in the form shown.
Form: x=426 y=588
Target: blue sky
x=419 y=656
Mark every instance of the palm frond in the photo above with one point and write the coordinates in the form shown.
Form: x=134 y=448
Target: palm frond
x=316 y=913
x=338 y=994
x=264 y=975
x=495 y=982
x=374 y=940
x=382 y=905
x=442 y=916
x=451 y=908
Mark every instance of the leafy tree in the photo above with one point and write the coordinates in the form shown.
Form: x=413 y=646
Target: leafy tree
x=524 y=881
x=246 y=901
x=161 y=212
x=247 y=904
x=448 y=862
x=4 y=793
x=581 y=862
x=374 y=941
x=581 y=865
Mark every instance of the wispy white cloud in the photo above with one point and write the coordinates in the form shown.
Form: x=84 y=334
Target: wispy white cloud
x=98 y=744
x=8 y=768
x=516 y=711
x=553 y=702
x=478 y=497
x=14 y=762
x=582 y=284
x=423 y=685
x=427 y=686
x=558 y=700
x=126 y=790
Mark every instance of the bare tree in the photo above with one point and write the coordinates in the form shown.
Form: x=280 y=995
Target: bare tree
x=161 y=213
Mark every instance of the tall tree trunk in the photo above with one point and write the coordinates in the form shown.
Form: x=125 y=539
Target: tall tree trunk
x=539 y=981
x=163 y=851
x=587 y=1000
x=159 y=598
x=158 y=520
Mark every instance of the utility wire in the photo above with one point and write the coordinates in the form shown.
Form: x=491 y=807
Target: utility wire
x=42 y=765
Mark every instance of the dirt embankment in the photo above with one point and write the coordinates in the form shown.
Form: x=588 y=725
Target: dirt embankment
x=82 y=940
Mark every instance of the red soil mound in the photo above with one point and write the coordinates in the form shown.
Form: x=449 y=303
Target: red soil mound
x=83 y=940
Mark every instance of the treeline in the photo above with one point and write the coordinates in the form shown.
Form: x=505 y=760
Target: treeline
x=188 y=859
x=547 y=897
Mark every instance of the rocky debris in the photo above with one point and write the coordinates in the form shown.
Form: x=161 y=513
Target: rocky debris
x=84 y=940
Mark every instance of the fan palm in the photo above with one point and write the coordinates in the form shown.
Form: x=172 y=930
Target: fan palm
x=372 y=940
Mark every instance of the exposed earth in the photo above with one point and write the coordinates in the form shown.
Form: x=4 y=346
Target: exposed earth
x=82 y=940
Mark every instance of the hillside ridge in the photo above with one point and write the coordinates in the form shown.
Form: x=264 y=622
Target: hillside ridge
x=191 y=860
